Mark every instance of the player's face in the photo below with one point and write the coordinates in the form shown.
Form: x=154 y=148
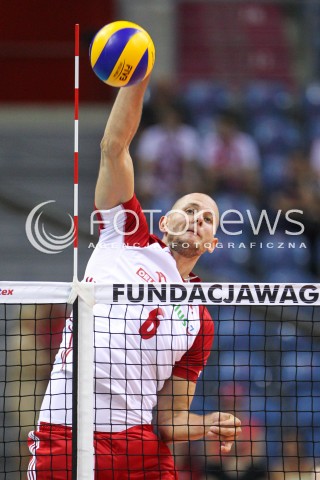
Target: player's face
x=191 y=225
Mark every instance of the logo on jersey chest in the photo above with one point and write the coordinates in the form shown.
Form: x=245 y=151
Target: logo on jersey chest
x=142 y=273
x=185 y=320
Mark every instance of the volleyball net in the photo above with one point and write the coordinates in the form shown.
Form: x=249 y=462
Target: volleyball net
x=263 y=367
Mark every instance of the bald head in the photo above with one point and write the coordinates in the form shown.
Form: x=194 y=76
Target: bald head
x=189 y=228
x=203 y=201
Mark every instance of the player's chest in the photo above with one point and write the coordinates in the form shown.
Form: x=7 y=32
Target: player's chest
x=154 y=328
x=151 y=264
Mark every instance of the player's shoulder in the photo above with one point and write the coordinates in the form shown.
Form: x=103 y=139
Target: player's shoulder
x=127 y=224
x=207 y=323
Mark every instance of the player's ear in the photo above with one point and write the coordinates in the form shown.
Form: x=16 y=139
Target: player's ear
x=212 y=245
x=163 y=224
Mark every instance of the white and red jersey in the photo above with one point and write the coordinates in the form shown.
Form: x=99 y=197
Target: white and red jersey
x=137 y=347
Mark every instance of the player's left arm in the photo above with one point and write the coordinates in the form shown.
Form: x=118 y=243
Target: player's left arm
x=177 y=423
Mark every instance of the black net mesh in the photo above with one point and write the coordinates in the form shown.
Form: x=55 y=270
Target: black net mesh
x=263 y=367
x=29 y=339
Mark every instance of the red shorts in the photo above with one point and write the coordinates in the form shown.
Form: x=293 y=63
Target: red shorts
x=135 y=454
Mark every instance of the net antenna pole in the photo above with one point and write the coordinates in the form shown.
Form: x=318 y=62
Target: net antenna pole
x=75 y=375
x=83 y=338
x=76 y=151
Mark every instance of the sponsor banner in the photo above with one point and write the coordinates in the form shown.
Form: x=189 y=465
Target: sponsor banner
x=212 y=294
x=34 y=292
x=165 y=293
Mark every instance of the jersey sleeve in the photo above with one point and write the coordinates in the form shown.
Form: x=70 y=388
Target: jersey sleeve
x=125 y=224
x=193 y=361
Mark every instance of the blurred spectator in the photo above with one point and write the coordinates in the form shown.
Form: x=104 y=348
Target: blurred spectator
x=300 y=191
x=247 y=460
x=167 y=153
x=161 y=92
x=231 y=158
x=187 y=460
x=315 y=157
x=294 y=463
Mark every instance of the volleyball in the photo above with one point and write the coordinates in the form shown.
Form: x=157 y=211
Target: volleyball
x=122 y=53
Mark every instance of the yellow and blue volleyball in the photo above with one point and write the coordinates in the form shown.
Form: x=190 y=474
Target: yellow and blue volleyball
x=122 y=53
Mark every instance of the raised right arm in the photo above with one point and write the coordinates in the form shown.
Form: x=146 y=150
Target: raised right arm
x=115 y=184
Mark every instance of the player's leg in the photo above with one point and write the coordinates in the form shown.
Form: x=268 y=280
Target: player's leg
x=51 y=450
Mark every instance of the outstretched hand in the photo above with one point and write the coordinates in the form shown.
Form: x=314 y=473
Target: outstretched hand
x=224 y=427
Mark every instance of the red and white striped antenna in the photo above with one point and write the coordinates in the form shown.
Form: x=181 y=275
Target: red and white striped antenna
x=76 y=151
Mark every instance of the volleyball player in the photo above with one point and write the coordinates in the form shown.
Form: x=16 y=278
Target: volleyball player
x=145 y=357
